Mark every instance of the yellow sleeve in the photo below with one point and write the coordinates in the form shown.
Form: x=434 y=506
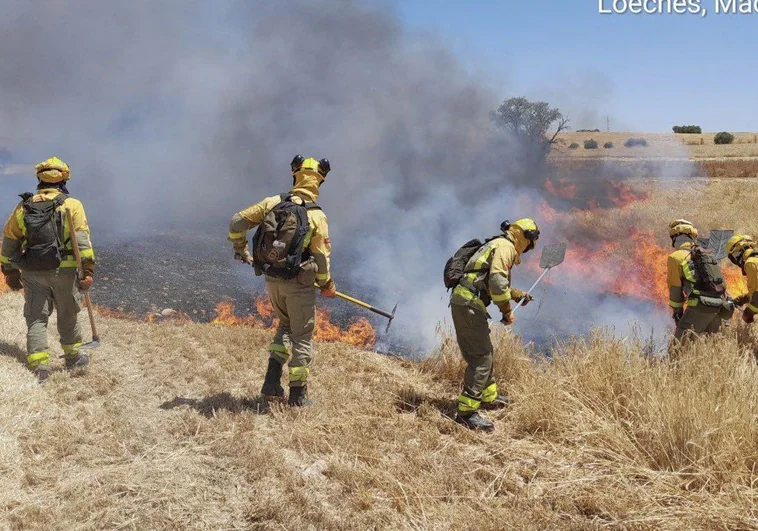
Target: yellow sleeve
x=674 y=275
x=503 y=258
x=80 y=229
x=751 y=270
x=321 y=247
x=248 y=219
x=13 y=235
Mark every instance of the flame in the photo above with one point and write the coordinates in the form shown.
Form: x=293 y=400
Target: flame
x=592 y=195
x=4 y=287
x=634 y=267
x=359 y=333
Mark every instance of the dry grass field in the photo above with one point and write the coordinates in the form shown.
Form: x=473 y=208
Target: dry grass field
x=167 y=432
x=660 y=145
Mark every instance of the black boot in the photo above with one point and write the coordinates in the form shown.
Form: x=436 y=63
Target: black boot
x=272 y=384
x=500 y=402
x=80 y=362
x=43 y=373
x=475 y=421
x=299 y=397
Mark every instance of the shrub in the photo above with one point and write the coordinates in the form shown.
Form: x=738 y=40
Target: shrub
x=590 y=144
x=633 y=142
x=723 y=138
x=608 y=145
x=573 y=145
x=688 y=129
x=588 y=130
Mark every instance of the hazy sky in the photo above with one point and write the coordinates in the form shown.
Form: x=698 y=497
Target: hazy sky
x=648 y=72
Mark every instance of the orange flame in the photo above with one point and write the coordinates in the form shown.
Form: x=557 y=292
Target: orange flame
x=595 y=194
x=359 y=333
x=3 y=287
x=635 y=267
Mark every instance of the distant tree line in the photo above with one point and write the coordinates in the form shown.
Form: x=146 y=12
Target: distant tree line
x=688 y=129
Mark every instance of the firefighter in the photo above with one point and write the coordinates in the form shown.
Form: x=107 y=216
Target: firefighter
x=487 y=278
x=697 y=293
x=291 y=291
x=742 y=252
x=37 y=255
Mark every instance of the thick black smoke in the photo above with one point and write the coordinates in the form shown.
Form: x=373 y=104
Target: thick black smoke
x=175 y=115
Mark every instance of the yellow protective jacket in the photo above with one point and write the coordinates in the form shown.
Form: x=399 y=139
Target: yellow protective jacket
x=750 y=270
x=14 y=233
x=487 y=277
x=318 y=242
x=675 y=274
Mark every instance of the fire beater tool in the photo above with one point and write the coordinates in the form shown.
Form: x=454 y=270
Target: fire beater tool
x=366 y=305
x=552 y=256
x=95 y=343
x=717 y=242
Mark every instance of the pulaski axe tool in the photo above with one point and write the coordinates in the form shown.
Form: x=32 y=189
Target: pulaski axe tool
x=552 y=256
x=366 y=305
x=95 y=343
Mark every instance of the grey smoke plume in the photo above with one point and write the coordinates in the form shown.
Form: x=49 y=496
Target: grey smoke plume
x=177 y=114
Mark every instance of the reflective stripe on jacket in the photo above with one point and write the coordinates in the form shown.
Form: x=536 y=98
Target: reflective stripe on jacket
x=487 y=275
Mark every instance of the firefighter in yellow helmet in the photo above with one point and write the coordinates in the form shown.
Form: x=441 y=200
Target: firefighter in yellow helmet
x=37 y=255
x=291 y=247
x=487 y=278
x=697 y=293
x=743 y=252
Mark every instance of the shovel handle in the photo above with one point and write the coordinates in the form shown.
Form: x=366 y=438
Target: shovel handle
x=78 y=257
x=519 y=305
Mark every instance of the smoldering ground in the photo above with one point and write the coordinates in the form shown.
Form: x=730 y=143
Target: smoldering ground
x=174 y=116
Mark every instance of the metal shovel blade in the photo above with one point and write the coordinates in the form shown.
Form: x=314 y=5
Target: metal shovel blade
x=95 y=343
x=553 y=255
x=703 y=242
x=717 y=242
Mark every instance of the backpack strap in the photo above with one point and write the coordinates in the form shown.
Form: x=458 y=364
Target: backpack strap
x=312 y=206
x=26 y=196
x=60 y=199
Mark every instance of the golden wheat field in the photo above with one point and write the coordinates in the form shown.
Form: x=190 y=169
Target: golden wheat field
x=167 y=431
x=695 y=146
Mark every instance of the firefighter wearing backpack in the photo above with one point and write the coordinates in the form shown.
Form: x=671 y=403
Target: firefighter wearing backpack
x=743 y=252
x=291 y=248
x=486 y=278
x=37 y=255
x=697 y=292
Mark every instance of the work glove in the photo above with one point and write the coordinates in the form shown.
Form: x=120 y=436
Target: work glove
x=742 y=300
x=519 y=296
x=87 y=276
x=243 y=256
x=677 y=314
x=748 y=315
x=13 y=279
x=329 y=289
x=508 y=319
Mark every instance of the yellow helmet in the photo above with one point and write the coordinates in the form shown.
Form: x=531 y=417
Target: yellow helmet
x=736 y=247
x=682 y=226
x=525 y=231
x=53 y=170
x=300 y=163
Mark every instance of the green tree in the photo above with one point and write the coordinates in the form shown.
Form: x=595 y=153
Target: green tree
x=529 y=122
